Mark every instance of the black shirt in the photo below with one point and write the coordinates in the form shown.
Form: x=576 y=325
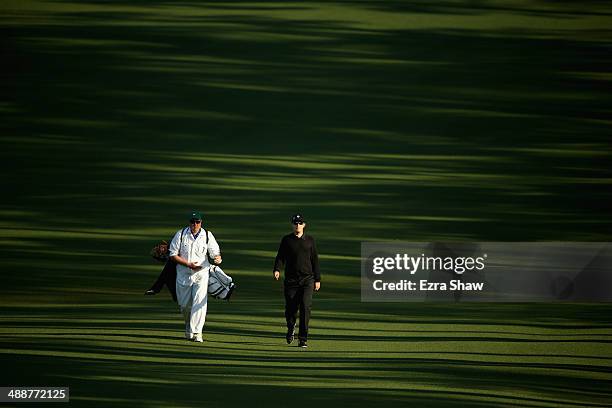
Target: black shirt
x=300 y=259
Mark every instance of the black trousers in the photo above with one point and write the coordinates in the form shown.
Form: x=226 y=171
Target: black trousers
x=298 y=298
x=167 y=277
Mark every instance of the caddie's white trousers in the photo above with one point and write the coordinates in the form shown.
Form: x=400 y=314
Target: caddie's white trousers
x=192 y=297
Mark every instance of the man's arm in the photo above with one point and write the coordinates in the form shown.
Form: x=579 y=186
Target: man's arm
x=182 y=261
x=279 y=262
x=314 y=259
x=213 y=248
x=174 y=252
x=174 y=247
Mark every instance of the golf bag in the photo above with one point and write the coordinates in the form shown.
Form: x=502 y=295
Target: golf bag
x=220 y=285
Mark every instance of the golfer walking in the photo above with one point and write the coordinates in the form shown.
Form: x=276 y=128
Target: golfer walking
x=190 y=249
x=297 y=254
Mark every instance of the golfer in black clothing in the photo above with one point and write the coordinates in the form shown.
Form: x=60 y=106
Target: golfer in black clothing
x=297 y=253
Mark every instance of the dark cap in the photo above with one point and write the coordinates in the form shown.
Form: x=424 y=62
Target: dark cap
x=297 y=218
x=195 y=215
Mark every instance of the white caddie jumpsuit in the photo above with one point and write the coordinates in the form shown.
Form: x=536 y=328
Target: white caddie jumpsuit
x=192 y=287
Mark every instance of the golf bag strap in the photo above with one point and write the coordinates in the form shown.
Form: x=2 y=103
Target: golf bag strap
x=181 y=241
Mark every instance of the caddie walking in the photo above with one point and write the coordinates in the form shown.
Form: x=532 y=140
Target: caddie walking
x=191 y=248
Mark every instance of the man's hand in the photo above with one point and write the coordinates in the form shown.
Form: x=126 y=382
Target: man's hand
x=276 y=275
x=317 y=286
x=217 y=259
x=193 y=266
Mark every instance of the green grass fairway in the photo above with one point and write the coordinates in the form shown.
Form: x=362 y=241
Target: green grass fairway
x=437 y=355
x=379 y=120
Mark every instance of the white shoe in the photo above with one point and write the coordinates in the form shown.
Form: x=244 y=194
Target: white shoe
x=188 y=335
x=198 y=338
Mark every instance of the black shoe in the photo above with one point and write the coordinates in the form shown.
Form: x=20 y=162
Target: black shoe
x=150 y=292
x=290 y=335
x=302 y=344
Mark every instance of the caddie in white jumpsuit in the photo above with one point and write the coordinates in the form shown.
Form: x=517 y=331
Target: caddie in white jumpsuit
x=190 y=251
